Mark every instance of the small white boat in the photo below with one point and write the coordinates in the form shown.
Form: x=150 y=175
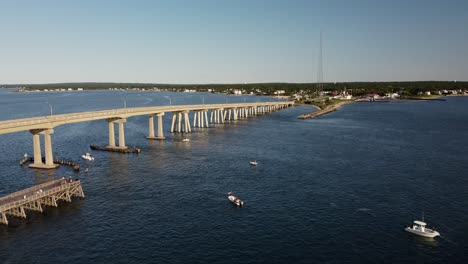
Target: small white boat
x=235 y=200
x=254 y=163
x=419 y=228
x=87 y=156
x=186 y=140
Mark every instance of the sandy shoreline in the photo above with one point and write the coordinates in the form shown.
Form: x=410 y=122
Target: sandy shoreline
x=324 y=111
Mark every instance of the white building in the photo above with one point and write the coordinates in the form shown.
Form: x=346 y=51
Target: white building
x=279 y=92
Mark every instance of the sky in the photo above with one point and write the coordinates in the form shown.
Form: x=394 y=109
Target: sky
x=225 y=41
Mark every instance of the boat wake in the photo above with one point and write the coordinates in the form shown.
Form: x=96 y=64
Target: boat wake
x=363 y=209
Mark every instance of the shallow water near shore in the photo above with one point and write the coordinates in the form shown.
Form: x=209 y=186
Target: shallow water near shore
x=338 y=188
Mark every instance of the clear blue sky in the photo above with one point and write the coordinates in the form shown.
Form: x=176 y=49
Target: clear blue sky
x=226 y=41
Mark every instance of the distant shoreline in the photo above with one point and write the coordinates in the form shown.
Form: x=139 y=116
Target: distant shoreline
x=335 y=107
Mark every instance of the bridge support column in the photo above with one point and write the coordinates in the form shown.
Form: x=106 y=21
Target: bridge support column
x=150 y=127
x=195 y=118
x=37 y=149
x=121 y=122
x=174 y=117
x=201 y=116
x=222 y=115
x=3 y=219
x=206 y=118
x=179 y=124
x=160 y=126
x=111 y=133
x=151 y=135
x=199 y=119
x=49 y=158
x=122 y=133
x=187 y=128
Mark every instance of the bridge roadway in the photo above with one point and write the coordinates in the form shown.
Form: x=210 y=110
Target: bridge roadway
x=34 y=197
x=181 y=123
x=41 y=122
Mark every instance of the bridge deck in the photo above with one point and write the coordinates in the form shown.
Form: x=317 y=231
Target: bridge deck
x=43 y=122
x=34 y=197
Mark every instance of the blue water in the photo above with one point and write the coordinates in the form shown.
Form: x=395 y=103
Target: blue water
x=336 y=189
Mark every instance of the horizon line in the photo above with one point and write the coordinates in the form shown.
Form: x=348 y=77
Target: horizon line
x=245 y=83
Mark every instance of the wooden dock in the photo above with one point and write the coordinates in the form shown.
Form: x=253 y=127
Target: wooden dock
x=35 y=197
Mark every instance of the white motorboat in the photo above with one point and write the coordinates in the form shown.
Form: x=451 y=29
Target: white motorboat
x=419 y=228
x=186 y=140
x=235 y=200
x=254 y=163
x=87 y=156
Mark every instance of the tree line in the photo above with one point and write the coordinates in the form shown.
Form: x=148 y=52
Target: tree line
x=354 y=88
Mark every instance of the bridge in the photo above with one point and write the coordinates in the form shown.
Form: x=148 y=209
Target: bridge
x=35 y=197
x=181 y=122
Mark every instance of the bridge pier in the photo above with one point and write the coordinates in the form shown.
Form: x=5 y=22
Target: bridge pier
x=200 y=118
x=221 y=116
x=121 y=122
x=151 y=127
x=217 y=116
x=49 y=158
x=180 y=122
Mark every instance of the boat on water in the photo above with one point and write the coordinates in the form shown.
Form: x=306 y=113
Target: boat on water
x=87 y=156
x=419 y=228
x=254 y=163
x=235 y=200
x=186 y=140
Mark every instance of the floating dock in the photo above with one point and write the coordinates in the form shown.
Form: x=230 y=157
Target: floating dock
x=35 y=197
x=117 y=149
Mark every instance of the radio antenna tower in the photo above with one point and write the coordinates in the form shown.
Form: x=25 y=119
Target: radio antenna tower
x=320 y=70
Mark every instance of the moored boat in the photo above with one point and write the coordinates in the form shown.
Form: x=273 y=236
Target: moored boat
x=254 y=163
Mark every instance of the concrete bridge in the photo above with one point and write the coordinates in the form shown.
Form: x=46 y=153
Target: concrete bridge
x=181 y=123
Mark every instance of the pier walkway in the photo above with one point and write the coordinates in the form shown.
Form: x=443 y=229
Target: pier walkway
x=35 y=197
